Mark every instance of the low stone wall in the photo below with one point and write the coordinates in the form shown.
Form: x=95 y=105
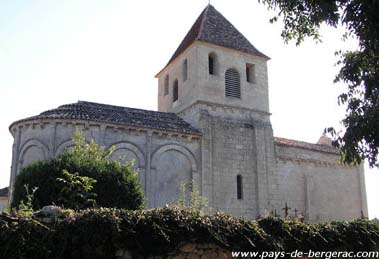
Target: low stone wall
x=187 y=251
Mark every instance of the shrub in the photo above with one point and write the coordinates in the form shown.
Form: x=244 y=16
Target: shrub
x=76 y=191
x=114 y=184
x=99 y=233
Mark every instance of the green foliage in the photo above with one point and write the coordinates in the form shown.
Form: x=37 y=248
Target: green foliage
x=76 y=191
x=25 y=208
x=182 y=195
x=116 y=185
x=99 y=233
x=196 y=203
x=359 y=69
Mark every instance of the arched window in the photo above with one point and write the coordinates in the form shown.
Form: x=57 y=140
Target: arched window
x=232 y=83
x=250 y=73
x=185 y=70
x=166 y=84
x=175 y=91
x=239 y=187
x=212 y=64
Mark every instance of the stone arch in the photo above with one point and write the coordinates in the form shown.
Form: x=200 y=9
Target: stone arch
x=178 y=148
x=213 y=64
x=32 y=150
x=63 y=145
x=124 y=145
x=171 y=166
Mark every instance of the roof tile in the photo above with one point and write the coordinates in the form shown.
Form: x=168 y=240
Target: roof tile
x=117 y=114
x=306 y=145
x=212 y=27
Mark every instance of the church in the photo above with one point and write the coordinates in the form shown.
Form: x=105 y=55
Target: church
x=212 y=127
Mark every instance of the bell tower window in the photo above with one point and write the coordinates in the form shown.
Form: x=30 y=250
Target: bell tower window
x=212 y=64
x=250 y=73
x=232 y=83
x=175 y=91
x=165 y=86
x=239 y=187
x=185 y=70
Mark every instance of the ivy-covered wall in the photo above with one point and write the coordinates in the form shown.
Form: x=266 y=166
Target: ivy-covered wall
x=164 y=233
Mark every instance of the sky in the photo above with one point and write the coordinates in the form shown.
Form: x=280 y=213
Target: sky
x=54 y=52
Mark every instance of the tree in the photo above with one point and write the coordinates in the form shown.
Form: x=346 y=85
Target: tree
x=81 y=177
x=76 y=191
x=359 y=69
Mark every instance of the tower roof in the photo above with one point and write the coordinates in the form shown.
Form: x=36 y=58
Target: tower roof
x=212 y=27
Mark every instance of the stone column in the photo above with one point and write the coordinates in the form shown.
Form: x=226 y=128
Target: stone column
x=148 y=172
x=264 y=164
x=207 y=180
x=15 y=160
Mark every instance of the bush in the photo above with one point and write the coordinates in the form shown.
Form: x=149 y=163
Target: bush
x=109 y=183
x=99 y=233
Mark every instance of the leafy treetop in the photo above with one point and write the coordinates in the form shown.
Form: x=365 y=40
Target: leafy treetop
x=359 y=69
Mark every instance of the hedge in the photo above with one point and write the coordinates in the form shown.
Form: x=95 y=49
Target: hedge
x=99 y=233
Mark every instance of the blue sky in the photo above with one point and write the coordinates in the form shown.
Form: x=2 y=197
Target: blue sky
x=54 y=52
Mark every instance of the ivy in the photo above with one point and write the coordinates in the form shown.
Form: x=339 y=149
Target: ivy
x=99 y=233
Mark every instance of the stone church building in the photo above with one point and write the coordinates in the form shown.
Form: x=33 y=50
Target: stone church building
x=212 y=126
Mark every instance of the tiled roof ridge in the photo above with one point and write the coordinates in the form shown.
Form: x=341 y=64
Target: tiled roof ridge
x=91 y=111
x=306 y=145
x=221 y=33
x=189 y=38
x=117 y=108
x=203 y=18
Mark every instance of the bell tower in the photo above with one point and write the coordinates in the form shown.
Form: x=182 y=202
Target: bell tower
x=217 y=81
x=214 y=64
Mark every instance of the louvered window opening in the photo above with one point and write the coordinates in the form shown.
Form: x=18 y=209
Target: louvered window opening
x=232 y=83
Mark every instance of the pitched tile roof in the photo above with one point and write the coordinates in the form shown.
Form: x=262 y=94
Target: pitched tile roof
x=212 y=27
x=4 y=192
x=90 y=111
x=306 y=145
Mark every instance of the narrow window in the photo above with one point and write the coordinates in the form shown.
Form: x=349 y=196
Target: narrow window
x=212 y=63
x=165 y=89
x=232 y=83
x=175 y=91
x=250 y=73
x=239 y=187
x=185 y=70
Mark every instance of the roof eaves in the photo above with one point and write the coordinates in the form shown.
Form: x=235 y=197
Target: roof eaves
x=305 y=145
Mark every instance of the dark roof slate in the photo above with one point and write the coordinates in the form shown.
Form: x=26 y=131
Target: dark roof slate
x=4 y=192
x=306 y=145
x=90 y=111
x=212 y=27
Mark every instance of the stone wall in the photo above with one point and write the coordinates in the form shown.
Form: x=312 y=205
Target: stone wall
x=234 y=142
x=202 y=86
x=3 y=203
x=315 y=184
x=164 y=159
x=187 y=251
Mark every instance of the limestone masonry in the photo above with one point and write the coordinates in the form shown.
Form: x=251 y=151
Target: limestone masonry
x=213 y=126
